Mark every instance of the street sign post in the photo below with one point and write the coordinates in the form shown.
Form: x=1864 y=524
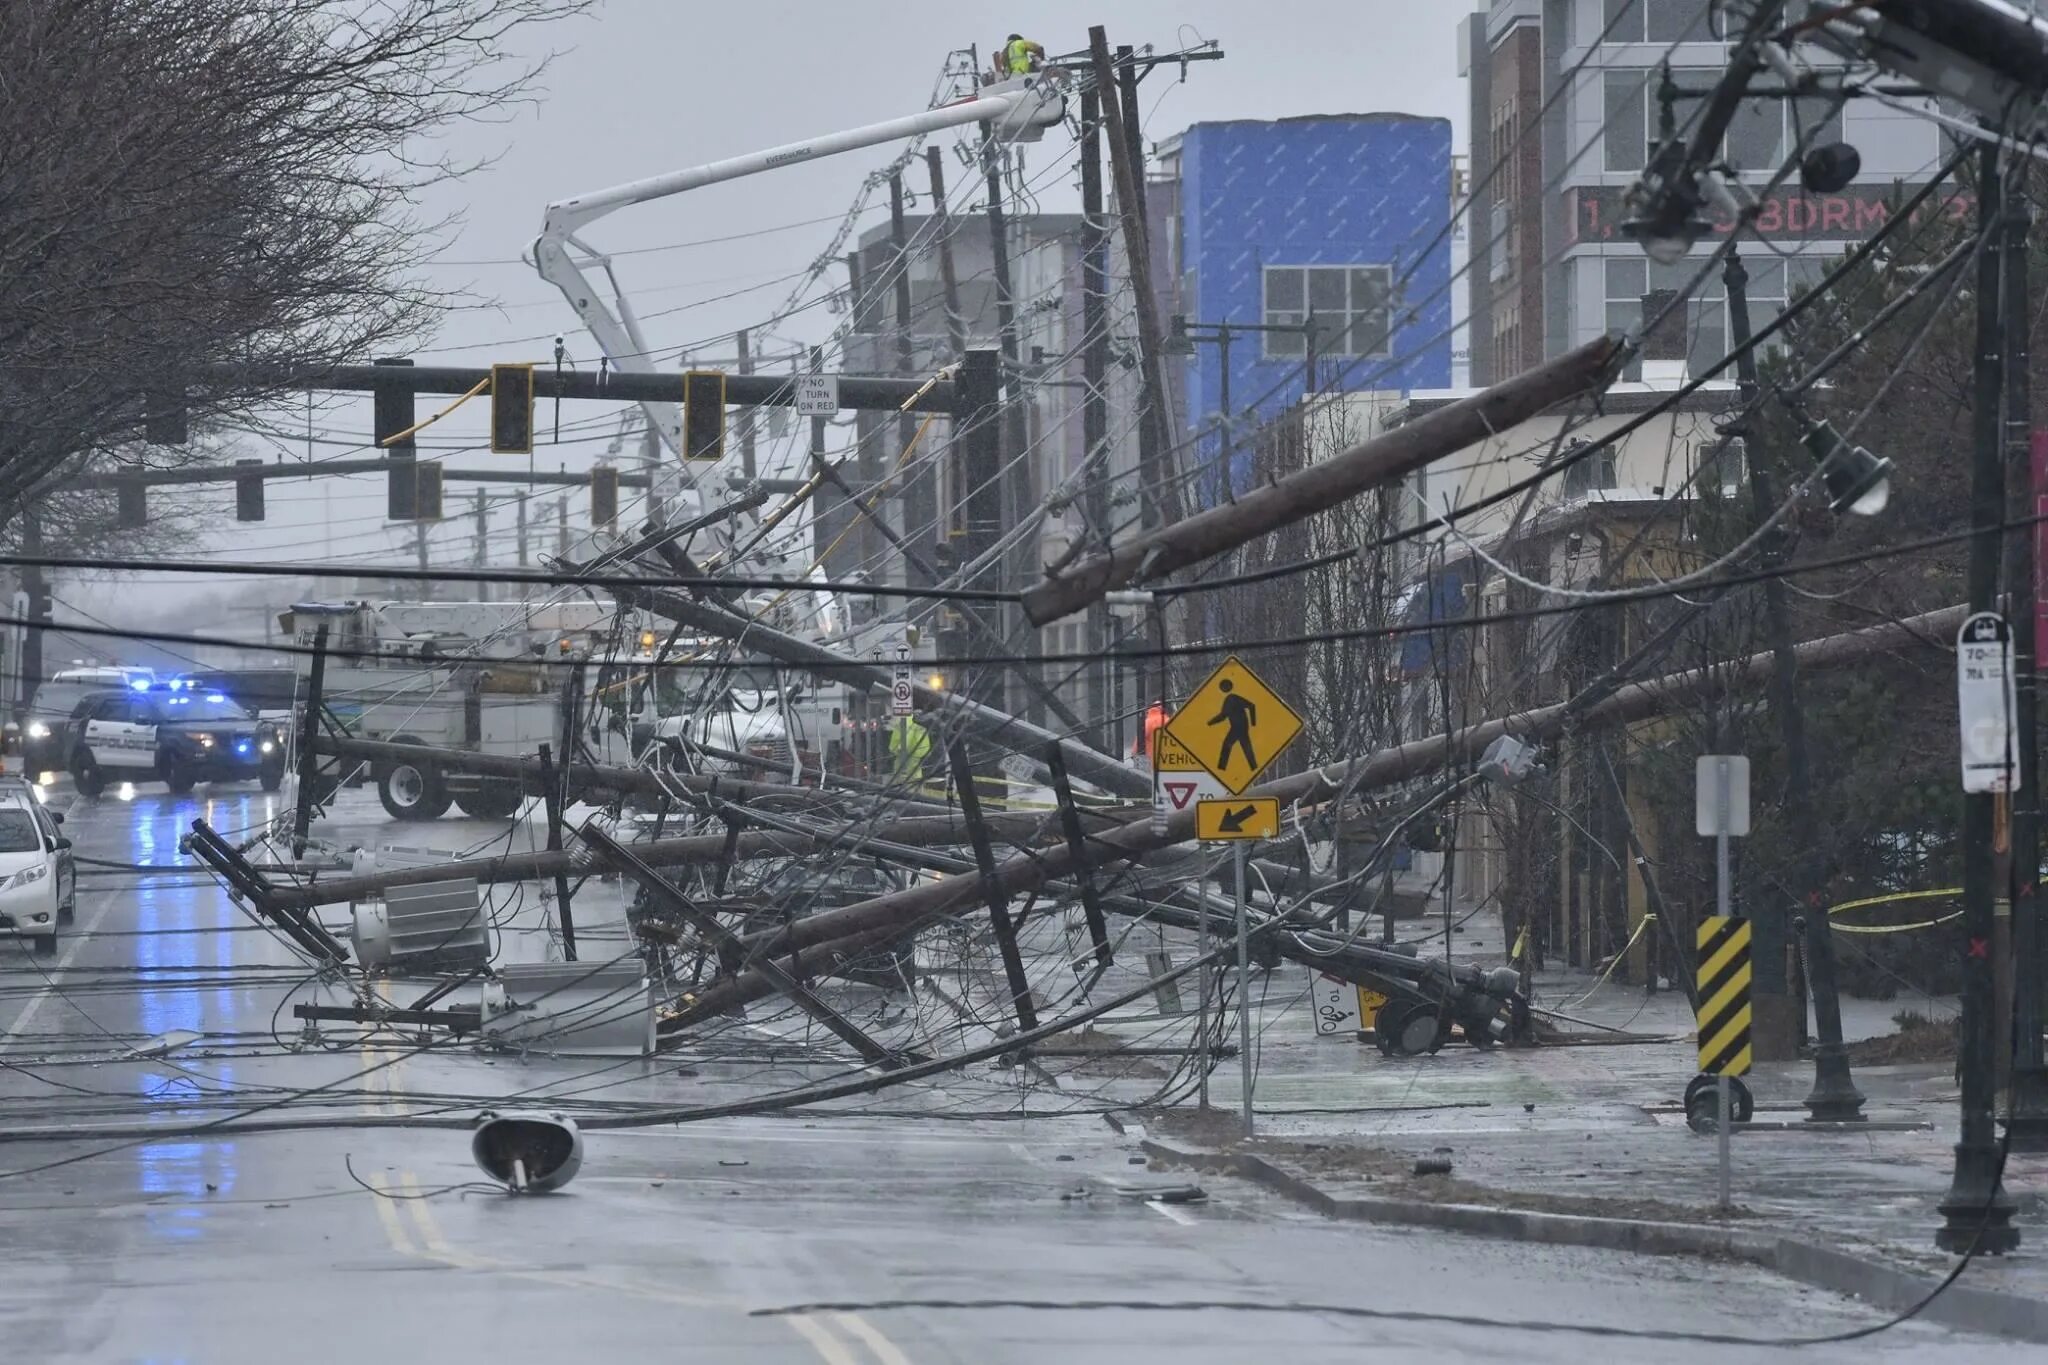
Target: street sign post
x=817 y=395
x=1721 y=810
x=1234 y=725
x=900 y=698
x=1986 y=704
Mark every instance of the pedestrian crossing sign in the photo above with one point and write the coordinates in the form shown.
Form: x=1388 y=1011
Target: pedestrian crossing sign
x=1234 y=725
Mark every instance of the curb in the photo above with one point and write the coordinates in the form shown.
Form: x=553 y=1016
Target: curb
x=1882 y=1286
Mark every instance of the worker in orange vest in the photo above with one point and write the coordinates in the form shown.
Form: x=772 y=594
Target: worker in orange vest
x=1155 y=721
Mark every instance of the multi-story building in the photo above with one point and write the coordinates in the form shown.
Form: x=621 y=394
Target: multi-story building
x=1322 y=238
x=1565 y=110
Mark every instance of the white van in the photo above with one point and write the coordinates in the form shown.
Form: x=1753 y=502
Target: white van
x=38 y=879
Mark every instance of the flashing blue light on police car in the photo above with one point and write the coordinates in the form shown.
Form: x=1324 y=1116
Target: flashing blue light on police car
x=241 y=746
x=139 y=684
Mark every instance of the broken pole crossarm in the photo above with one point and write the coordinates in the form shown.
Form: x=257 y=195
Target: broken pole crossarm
x=1324 y=484
x=991 y=887
x=1633 y=701
x=309 y=729
x=706 y=923
x=241 y=874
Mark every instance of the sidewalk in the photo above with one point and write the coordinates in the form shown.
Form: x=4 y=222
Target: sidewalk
x=1596 y=1130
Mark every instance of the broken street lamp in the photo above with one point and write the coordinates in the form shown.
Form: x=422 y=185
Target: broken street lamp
x=1857 y=480
x=1665 y=204
x=527 y=1151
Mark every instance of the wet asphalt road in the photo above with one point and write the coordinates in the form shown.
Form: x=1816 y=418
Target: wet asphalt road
x=260 y=1247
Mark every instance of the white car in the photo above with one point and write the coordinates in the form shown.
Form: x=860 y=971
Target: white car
x=38 y=880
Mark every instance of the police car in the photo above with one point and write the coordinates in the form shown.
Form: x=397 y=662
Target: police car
x=38 y=880
x=170 y=732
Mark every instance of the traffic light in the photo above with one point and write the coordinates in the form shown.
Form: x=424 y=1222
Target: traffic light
x=427 y=491
x=249 y=493
x=512 y=409
x=132 y=502
x=703 y=415
x=604 y=495
x=394 y=414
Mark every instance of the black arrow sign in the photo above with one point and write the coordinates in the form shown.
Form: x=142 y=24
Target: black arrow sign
x=1233 y=820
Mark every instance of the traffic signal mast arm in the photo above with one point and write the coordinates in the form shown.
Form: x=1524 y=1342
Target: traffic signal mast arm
x=1017 y=108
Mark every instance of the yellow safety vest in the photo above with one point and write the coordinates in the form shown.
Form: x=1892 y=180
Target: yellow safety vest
x=1019 y=54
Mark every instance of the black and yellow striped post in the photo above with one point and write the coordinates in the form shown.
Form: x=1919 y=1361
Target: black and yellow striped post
x=1724 y=1010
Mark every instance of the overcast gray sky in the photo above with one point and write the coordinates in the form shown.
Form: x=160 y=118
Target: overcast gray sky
x=645 y=86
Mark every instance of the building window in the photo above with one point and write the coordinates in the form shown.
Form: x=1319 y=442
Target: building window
x=1351 y=304
x=1588 y=472
x=1772 y=284
x=1660 y=21
x=1762 y=135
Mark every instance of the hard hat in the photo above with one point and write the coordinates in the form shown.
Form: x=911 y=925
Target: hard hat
x=1014 y=38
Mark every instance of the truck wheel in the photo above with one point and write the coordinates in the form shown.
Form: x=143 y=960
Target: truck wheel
x=492 y=801
x=87 y=775
x=177 y=776
x=412 y=791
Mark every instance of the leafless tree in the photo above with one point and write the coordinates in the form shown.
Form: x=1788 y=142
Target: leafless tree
x=186 y=184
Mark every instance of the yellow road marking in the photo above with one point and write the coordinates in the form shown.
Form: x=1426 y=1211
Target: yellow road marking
x=829 y=1348
x=885 y=1350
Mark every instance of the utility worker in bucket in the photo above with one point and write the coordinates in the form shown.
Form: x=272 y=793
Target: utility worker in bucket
x=908 y=746
x=1021 y=56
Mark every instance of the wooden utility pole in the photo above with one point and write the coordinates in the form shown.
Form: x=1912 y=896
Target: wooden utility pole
x=2026 y=1118
x=746 y=414
x=962 y=892
x=1977 y=1213
x=1834 y=1096
x=1094 y=410
x=916 y=498
x=942 y=230
x=950 y=509
x=1323 y=485
x=1017 y=487
x=1160 y=491
x=479 y=552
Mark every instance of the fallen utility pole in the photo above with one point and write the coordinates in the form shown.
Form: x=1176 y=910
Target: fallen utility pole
x=983 y=721
x=1629 y=702
x=1325 y=484
x=716 y=934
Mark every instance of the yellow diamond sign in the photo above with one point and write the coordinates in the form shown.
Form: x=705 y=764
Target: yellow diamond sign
x=1234 y=725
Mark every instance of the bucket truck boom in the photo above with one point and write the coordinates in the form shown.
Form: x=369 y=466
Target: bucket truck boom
x=1018 y=110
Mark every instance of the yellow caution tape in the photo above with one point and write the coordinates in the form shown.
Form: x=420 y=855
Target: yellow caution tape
x=1942 y=894
x=1641 y=925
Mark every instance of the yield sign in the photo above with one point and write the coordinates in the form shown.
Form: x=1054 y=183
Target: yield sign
x=1180 y=792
